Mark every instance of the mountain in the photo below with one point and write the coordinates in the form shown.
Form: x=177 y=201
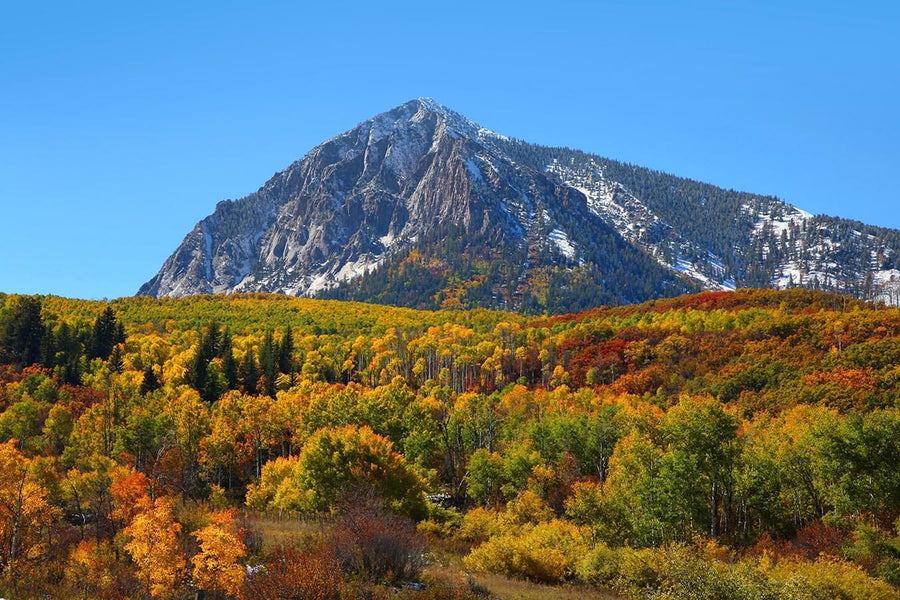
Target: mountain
x=419 y=206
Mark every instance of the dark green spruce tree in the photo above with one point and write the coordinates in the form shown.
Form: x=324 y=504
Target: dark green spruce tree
x=22 y=331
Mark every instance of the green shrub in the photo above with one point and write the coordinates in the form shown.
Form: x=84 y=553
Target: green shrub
x=600 y=566
x=638 y=568
x=546 y=552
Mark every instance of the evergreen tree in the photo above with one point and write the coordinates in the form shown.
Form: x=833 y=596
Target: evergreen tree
x=248 y=373
x=48 y=348
x=286 y=352
x=201 y=377
x=22 y=332
x=268 y=353
x=67 y=355
x=116 y=361
x=229 y=365
x=210 y=341
x=197 y=374
x=150 y=382
x=104 y=335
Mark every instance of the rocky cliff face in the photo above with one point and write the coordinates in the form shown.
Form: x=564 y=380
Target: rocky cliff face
x=531 y=227
x=342 y=209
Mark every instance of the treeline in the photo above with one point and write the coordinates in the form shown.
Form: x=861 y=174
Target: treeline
x=733 y=439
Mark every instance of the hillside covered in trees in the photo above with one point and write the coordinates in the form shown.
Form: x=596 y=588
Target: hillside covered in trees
x=725 y=445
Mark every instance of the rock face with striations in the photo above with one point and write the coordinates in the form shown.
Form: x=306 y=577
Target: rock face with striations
x=420 y=206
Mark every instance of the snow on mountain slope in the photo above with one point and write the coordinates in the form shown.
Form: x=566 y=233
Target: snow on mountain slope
x=613 y=203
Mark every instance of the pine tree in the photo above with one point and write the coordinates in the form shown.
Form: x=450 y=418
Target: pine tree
x=116 y=361
x=150 y=382
x=286 y=352
x=229 y=365
x=268 y=353
x=248 y=373
x=201 y=377
x=104 y=335
x=22 y=332
x=198 y=372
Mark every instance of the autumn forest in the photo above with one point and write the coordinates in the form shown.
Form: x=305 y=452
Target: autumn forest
x=719 y=445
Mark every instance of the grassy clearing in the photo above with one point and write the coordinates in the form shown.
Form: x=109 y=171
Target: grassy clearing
x=273 y=530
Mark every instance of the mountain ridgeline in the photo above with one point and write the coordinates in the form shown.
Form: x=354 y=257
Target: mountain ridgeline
x=421 y=207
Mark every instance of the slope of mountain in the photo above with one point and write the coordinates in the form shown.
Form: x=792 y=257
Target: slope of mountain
x=421 y=207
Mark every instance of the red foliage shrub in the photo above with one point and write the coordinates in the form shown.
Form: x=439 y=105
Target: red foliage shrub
x=810 y=542
x=78 y=398
x=292 y=574
x=371 y=542
x=817 y=538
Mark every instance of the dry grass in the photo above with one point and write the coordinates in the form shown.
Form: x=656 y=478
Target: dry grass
x=275 y=531
x=505 y=588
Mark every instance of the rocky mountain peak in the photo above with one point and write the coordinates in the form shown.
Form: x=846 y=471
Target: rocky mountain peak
x=421 y=206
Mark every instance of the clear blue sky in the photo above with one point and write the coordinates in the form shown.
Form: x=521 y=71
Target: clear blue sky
x=122 y=124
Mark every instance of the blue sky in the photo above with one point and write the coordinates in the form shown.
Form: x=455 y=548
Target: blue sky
x=122 y=125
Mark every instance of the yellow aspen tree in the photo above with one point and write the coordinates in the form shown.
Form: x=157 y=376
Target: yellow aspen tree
x=153 y=547
x=89 y=569
x=24 y=507
x=216 y=566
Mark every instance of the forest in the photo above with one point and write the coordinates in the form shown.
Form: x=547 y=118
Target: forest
x=716 y=445
x=455 y=269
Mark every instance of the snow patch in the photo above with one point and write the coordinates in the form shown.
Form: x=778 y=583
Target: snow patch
x=474 y=171
x=358 y=268
x=559 y=237
x=688 y=268
x=487 y=133
x=610 y=201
